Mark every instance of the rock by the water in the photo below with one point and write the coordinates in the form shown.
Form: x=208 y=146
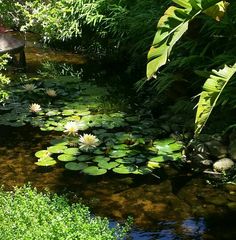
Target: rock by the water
x=223 y=164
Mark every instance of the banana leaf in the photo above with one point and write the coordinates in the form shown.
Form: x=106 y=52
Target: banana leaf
x=170 y=28
x=212 y=90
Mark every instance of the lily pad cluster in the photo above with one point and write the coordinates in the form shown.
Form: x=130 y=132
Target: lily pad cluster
x=128 y=144
x=119 y=152
x=73 y=101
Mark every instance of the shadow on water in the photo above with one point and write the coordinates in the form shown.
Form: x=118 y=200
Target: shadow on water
x=179 y=206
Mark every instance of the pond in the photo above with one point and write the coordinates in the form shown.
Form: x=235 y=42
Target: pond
x=171 y=206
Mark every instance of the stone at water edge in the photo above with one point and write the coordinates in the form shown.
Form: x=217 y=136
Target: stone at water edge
x=223 y=164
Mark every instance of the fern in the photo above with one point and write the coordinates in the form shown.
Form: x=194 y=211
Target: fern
x=212 y=90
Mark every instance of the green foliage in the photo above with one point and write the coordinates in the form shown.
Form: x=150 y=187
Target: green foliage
x=28 y=214
x=212 y=90
x=70 y=19
x=11 y=14
x=3 y=79
x=122 y=29
x=171 y=27
x=196 y=53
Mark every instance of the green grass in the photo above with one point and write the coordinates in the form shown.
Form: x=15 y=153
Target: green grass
x=30 y=215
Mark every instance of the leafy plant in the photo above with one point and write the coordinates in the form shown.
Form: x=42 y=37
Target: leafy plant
x=105 y=28
x=3 y=79
x=212 y=90
x=171 y=28
x=28 y=214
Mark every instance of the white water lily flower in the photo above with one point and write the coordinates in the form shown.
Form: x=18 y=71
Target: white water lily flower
x=29 y=87
x=71 y=128
x=34 y=108
x=51 y=92
x=88 y=141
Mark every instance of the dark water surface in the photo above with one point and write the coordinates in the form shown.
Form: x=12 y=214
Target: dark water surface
x=178 y=206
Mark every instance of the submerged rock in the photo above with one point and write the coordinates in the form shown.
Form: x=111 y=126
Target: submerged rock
x=223 y=164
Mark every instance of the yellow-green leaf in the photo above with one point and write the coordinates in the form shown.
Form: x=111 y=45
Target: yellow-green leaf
x=212 y=89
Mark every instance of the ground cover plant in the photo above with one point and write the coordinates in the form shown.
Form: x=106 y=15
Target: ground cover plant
x=28 y=214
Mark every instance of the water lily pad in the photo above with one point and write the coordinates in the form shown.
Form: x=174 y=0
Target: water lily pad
x=118 y=153
x=144 y=170
x=58 y=129
x=46 y=162
x=140 y=158
x=120 y=146
x=168 y=145
x=66 y=157
x=82 y=125
x=83 y=158
x=83 y=112
x=126 y=160
x=67 y=112
x=57 y=149
x=122 y=169
x=74 y=166
x=52 y=113
x=88 y=120
x=72 y=151
x=95 y=171
x=42 y=154
x=164 y=142
x=100 y=131
x=61 y=141
x=73 y=118
x=101 y=158
x=107 y=165
x=98 y=152
x=159 y=159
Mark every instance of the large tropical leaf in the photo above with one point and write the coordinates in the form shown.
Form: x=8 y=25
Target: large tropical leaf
x=217 y=11
x=170 y=29
x=212 y=89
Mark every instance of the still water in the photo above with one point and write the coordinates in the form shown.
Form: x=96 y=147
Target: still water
x=178 y=206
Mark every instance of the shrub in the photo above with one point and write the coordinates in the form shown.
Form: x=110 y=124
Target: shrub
x=102 y=27
x=28 y=214
x=3 y=79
